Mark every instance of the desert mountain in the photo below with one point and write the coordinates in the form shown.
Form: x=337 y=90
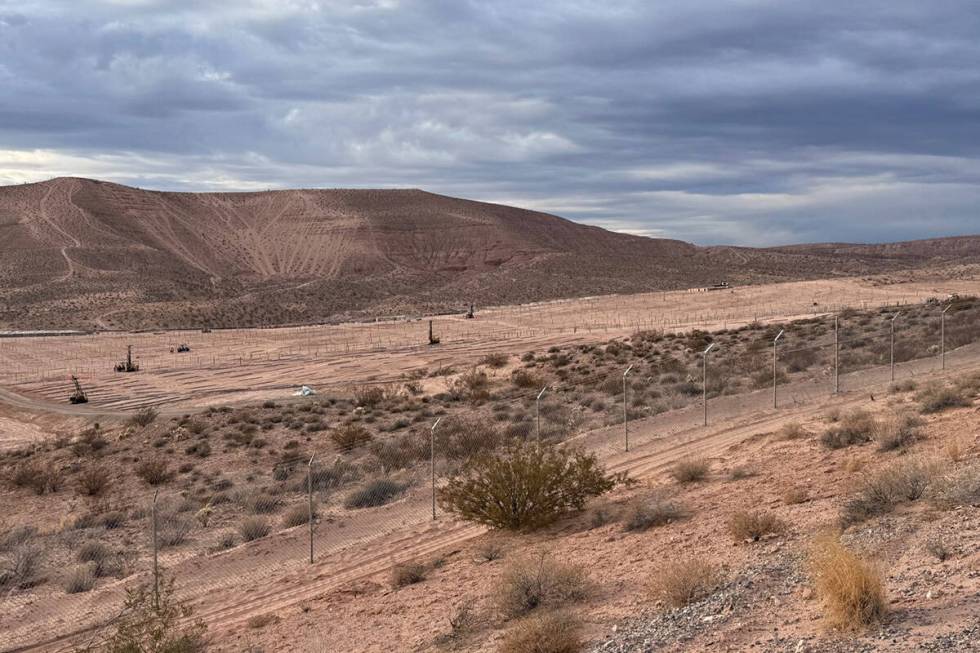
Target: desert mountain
x=81 y=253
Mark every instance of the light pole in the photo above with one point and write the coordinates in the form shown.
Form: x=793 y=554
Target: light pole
x=537 y=414
x=432 y=463
x=774 y=341
x=704 y=380
x=626 y=416
x=892 y=322
x=310 y=490
x=836 y=354
x=942 y=335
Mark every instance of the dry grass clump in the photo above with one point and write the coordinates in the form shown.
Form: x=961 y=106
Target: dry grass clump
x=525 y=486
x=374 y=493
x=646 y=514
x=297 y=515
x=144 y=417
x=37 y=477
x=936 y=398
x=552 y=632
x=898 y=432
x=407 y=573
x=794 y=494
x=93 y=480
x=690 y=470
x=496 y=359
x=792 y=431
x=960 y=487
x=253 y=528
x=472 y=386
x=752 y=526
x=684 y=581
x=80 y=579
x=173 y=530
x=527 y=585
x=880 y=492
x=350 y=436
x=155 y=471
x=369 y=396
x=851 y=589
x=525 y=379
x=955 y=448
x=856 y=427
x=23 y=565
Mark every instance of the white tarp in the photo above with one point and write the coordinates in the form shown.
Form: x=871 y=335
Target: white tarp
x=304 y=391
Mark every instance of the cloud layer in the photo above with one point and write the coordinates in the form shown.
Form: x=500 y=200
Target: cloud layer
x=750 y=122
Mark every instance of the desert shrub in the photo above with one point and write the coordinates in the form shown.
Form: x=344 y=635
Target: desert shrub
x=96 y=553
x=369 y=395
x=527 y=585
x=960 y=487
x=794 y=494
x=525 y=379
x=253 y=528
x=684 y=581
x=155 y=625
x=144 y=417
x=495 y=359
x=646 y=514
x=459 y=437
x=792 y=431
x=525 y=486
x=937 y=547
x=472 y=386
x=172 y=529
x=199 y=449
x=754 y=525
x=80 y=578
x=740 y=472
x=898 y=432
x=936 y=398
x=407 y=573
x=330 y=477
x=902 y=386
x=16 y=536
x=93 y=480
x=112 y=519
x=89 y=441
x=489 y=550
x=857 y=427
x=799 y=360
x=851 y=589
x=690 y=470
x=154 y=471
x=376 y=492
x=552 y=632
x=880 y=492
x=39 y=478
x=297 y=515
x=22 y=567
x=261 y=503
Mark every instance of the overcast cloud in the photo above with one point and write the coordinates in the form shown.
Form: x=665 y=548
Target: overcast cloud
x=747 y=122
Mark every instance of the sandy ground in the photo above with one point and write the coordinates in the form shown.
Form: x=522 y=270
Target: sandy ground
x=249 y=364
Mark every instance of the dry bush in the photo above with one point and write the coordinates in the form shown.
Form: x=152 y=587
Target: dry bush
x=880 y=492
x=938 y=548
x=16 y=536
x=155 y=624
x=525 y=486
x=472 y=386
x=93 y=480
x=960 y=487
x=525 y=379
x=22 y=567
x=265 y=502
x=955 y=448
x=407 y=573
x=489 y=550
x=144 y=417
x=690 y=470
x=851 y=589
x=793 y=431
x=754 y=525
x=374 y=493
x=898 y=432
x=253 y=528
x=460 y=437
x=552 y=632
x=527 y=585
x=794 y=494
x=495 y=359
x=80 y=578
x=856 y=427
x=936 y=398
x=298 y=515
x=40 y=478
x=172 y=529
x=369 y=396
x=98 y=554
x=154 y=471
x=658 y=511
x=740 y=472
x=685 y=581
x=350 y=436
x=907 y=385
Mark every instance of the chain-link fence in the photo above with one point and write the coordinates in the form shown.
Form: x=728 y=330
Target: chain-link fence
x=237 y=502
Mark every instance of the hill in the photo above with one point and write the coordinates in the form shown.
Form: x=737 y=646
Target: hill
x=82 y=253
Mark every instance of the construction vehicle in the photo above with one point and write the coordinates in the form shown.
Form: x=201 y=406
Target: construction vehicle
x=469 y=314
x=128 y=365
x=183 y=348
x=433 y=340
x=77 y=397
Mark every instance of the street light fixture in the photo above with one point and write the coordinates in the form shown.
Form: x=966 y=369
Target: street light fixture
x=942 y=335
x=537 y=414
x=774 y=341
x=626 y=417
x=432 y=463
x=704 y=380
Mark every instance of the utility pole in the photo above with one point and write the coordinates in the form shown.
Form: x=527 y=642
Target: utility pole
x=432 y=463
x=774 y=342
x=626 y=415
x=537 y=414
x=704 y=380
x=942 y=335
x=309 y=484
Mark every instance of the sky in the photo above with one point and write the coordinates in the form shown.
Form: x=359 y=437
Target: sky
x=748 y=122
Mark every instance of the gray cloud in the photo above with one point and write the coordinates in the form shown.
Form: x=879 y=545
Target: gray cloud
x=750 y=122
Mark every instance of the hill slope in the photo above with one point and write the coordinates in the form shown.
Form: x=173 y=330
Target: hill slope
x=77 y=253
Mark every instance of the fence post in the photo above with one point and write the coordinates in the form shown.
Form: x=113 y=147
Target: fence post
x=836 y=354
x=537 y=414
x=942 y=335
x=704 y=380
x=626 y=415
x=432 y=464
x=774 y=342
x=156 y=564
x=309 y=484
